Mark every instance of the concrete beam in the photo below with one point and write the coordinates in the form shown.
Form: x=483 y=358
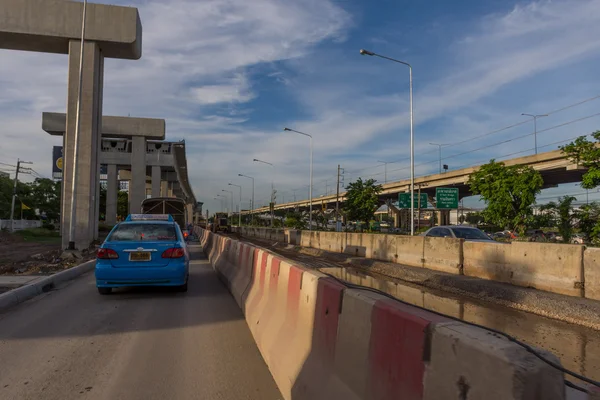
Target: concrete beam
x=115 y=127
x=48 y=25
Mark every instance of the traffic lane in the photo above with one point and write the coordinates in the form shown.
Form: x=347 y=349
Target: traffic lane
x=134 y=344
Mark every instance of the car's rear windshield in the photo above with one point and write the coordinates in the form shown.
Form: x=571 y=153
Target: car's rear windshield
x=143 y=232
x=470 y=233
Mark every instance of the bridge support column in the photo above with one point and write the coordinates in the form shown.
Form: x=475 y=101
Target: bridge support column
x=156 y=183
x=88 y=169
x=112 y=193
x=164 y=188
x=137 y=186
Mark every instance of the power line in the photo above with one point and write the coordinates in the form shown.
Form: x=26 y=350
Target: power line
x=495 y=131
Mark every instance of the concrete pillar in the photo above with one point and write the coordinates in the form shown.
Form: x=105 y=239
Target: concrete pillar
x=112 y=194
x=164 y=188
x=156 y=183
x=87 y=186
x=137 y=187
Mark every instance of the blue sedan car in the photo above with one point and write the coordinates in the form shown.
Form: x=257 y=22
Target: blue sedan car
x=144 y=250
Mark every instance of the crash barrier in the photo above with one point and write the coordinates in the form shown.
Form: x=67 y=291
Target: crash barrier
x=559 y=268
x=323 y=340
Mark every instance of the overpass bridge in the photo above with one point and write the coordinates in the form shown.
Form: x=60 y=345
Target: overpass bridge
x=554 y=167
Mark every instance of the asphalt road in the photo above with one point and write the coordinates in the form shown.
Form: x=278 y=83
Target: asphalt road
x=73 y=343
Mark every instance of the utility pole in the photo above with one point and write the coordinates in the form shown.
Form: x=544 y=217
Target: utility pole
x=337 y=202
x=14 y=196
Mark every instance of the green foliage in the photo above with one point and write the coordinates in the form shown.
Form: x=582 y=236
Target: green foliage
x=543 y=220
x=123 y=204
x=362 y=200
x=42 y=195
x=588 y=217
x=509 y=193
x=474 y=218
x=562 y=213
x=586 y=154
x=294 y=220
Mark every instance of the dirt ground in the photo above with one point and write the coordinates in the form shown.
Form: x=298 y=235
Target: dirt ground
x=31 y=258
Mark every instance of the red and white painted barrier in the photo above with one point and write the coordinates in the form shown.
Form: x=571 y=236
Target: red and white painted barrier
x=322 y=340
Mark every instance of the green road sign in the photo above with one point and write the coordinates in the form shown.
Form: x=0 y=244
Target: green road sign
x=404 y=200
x=446 y=198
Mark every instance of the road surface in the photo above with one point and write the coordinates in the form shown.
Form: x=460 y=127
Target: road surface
x=73 y=343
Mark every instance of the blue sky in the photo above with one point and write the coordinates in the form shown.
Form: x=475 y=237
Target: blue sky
x=229 y=75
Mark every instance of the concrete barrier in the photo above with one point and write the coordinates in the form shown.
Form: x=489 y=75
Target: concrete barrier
x=443 y=254
x=591 y=267
x=322 y=340
x=552 y=267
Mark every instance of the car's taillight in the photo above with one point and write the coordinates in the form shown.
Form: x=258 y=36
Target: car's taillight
x=105 y=254
x=175 y=252
x=185 y=234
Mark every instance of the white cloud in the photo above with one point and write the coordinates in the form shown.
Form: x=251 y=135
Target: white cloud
x=237 y=91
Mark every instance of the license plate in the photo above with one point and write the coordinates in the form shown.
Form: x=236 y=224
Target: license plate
x=140 y=256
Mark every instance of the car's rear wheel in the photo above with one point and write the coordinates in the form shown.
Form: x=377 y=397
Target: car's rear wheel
x=104 y=290
x=183 y=288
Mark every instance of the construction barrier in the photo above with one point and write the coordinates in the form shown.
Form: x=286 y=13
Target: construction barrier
x=552 y=267
x=323 y=340
x=565 y=269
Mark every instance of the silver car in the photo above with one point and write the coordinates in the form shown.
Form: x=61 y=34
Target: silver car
x=459 y=232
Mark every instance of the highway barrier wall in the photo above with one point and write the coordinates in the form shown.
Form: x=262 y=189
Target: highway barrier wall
x=324 y=340
x=552 y=267
x=566 y=269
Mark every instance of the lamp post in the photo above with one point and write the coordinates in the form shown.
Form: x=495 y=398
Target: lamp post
x=385 y=163
x=310 y=185
x=73 y=211
x=440 y=152
x=272 y=190
x=412 y=143
x=231 y=193
x=240 y=210
x=535 y=117
x=224 y=197
x=252 y=207
x=221 y=200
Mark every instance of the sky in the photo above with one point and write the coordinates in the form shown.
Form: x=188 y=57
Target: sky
x=229 y=75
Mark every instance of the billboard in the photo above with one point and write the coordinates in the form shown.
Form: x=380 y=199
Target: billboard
x=57 y=162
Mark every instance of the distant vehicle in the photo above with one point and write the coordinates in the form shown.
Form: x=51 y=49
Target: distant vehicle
x=167 y=205
x=221 y=223
x=144 y=250
x=459 y=232
x=578 y=238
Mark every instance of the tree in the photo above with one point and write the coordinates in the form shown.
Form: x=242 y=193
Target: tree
x=295 y=220
x=588 y=220
x=562 y=212
x=508 y=191
x=586 y=154
x=123 y=204
x=474 y=218
x=45 y=197
x=362 y=200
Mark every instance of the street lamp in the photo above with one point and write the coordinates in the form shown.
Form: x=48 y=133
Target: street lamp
x=231 y=193
x=221 y=200
x=310 y=187
x=412 y=143
x=535 y=117
x=225 y=197
x=440 y=150
x=252 y=208
x=272 y=189
x=240 y=210
x=385 y=163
